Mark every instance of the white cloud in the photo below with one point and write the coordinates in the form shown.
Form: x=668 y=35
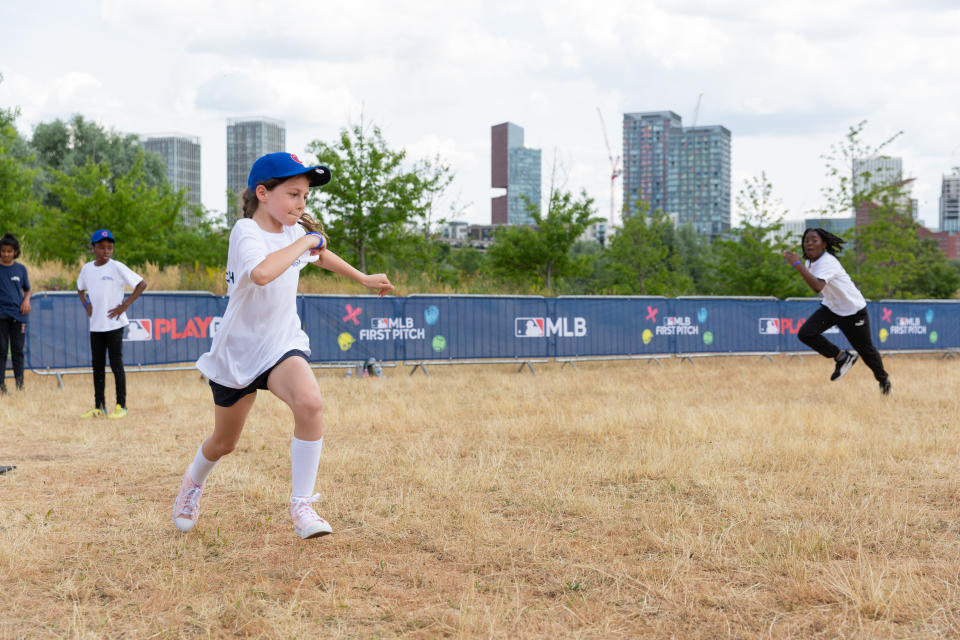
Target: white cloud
x=787 y=78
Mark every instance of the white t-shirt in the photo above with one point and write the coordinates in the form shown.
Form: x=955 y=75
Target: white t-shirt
x=261 y=322
x=839 y=293
x=104 y=286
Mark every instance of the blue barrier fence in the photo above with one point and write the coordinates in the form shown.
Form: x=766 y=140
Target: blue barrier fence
x=168 y=328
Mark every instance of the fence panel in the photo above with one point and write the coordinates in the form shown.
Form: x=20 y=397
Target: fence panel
x=585 y=326
x=908 y=325
x=164 y=328
x=350 y=328
x=722 y=325
x=478 y=327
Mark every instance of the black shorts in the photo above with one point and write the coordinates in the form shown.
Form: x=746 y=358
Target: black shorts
x=228 y=396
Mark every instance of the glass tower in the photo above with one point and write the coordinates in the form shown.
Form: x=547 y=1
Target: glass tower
x=683 y=172
x=182 y=155
x=516 y=169
x=247 y=140
x=876 y=173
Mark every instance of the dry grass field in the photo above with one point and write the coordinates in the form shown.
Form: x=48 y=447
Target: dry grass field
x=736 y=497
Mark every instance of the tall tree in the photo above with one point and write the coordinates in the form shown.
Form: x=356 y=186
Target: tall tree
x=889 y=258
x=540 y=253
x=846 y=192
x=643 y=259
x=748 y=261
x=68 y=147
x=20 y=206
x=374 y=202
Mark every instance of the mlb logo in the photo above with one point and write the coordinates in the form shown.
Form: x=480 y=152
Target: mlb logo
x=769 y=326
x=138 y=331
x=528 y=328
x=379 y=323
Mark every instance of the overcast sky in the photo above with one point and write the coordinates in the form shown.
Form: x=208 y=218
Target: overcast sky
x=787 y=78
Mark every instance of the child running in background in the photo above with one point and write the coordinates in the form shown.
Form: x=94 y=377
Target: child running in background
x=14 y=307
x=843 y=306
x=260 y=344
x=100 y=286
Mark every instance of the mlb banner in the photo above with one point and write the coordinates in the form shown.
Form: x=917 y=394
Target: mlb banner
x=164 y=328
x=609 y=326
x=914 y=325
x=168 y=328
x=723 y=325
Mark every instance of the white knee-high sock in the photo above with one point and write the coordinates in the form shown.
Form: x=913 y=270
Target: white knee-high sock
x=200 y=468
x=304 y=463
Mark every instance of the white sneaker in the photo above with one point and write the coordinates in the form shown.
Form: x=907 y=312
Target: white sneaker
x=306 y=522
x=186 y=508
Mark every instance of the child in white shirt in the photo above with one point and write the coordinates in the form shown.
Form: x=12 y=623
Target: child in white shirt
x=260 y=344
x=100 y=286
x=843 y=306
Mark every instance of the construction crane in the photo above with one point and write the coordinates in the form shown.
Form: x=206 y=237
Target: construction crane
x=616 y=169
x=696 y=110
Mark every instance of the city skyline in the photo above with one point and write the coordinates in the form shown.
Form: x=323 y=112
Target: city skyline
x=434 y=76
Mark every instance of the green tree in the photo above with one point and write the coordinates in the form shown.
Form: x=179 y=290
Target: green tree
x=749 y=261
x=20 y=207
x=892 y=260
x=889 y=258
x=540 y=253
x=696 y=256
x=375 y=204
x=642 y=258
x=144 y=219
x=69 y=146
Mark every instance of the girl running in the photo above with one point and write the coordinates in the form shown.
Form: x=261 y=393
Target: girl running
x=260 y=344
x=843 y=306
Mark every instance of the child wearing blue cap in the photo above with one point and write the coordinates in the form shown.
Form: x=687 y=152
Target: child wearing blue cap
x=260 y=344
x=14 y=307
x=101 y=285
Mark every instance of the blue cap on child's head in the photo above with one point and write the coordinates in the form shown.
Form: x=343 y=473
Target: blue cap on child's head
x=285 y=165
x=101 y=234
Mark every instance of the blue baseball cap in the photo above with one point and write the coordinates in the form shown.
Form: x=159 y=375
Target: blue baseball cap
x=101 y=234
x=285 y=165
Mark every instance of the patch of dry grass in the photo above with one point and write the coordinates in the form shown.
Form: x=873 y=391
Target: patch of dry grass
x=731 y=498
x=53 y=276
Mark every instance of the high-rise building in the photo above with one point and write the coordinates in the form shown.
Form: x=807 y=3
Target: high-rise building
x=683 y=172
x=950 y=202
x=870 y=176
x=517 y=169
x=247 y=140
x=182 y=155
x=876 y=172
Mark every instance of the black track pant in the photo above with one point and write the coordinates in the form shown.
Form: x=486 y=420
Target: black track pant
x=13 y=333
x=102 y=342
x=857 y=330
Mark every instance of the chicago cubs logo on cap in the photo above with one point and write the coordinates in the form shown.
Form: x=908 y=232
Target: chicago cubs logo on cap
x=295 y=158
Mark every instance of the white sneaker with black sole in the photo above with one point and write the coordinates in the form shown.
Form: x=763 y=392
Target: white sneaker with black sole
x=843 y=364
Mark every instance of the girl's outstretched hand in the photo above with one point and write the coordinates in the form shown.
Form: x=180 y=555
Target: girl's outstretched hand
x=378 y=281
x=790 y=256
